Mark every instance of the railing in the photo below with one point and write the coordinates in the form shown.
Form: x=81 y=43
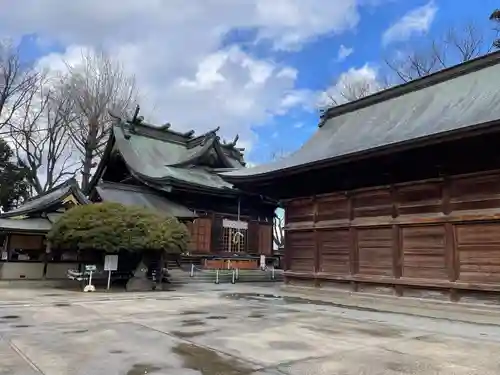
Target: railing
x=229 y=274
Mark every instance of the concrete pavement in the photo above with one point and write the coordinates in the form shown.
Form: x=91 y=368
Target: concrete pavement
x=230 y=330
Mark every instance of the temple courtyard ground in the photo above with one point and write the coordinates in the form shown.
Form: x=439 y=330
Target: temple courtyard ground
x=234 y=330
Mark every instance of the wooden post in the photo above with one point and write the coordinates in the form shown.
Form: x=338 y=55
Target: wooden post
x=397 y=257
x=452 y=263
x=286 y=250
x=317 y=250
x=48 y=250
x=353 y=243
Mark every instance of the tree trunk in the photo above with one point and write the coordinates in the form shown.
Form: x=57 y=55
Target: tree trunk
x=87 y=165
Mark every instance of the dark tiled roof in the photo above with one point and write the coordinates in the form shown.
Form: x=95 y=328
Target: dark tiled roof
x=44 y=201
x=160 y=156
x=140 y=196
x=160 y=161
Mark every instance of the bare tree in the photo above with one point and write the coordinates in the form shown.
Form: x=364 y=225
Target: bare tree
x=347 y=90
x=40 y=137
x=495 y=17
x=95 y=86
x=16 y=81
x=279 y=219
x=353 y=85
x=279 y=231
x=456 y=46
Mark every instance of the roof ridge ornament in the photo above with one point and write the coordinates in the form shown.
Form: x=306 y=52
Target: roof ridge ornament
x=165 y=126
x=121 y=124
x=188 y=134
x=233 y=143
x=136 y=120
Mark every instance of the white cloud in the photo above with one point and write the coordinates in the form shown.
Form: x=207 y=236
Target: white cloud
x=174 y=48
x=417 y=21
x=344 y=53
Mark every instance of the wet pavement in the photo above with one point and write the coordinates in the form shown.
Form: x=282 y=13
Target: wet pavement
x=229 y=330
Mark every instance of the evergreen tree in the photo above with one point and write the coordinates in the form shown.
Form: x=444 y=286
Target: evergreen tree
x=13 y=185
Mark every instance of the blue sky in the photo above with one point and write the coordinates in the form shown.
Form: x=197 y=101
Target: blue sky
x=319 y=67
x=257 y=68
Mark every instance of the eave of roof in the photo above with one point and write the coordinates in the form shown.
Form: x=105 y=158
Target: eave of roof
x=139 y=196
x=30 y=225
x=454 y=102
x=51 y=197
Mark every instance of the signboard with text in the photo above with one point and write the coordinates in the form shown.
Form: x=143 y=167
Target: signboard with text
x=110 y=262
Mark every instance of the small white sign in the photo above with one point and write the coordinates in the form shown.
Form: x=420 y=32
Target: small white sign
x=262 y=261
x=90 y=267
x=5 y=255
x=110 y=262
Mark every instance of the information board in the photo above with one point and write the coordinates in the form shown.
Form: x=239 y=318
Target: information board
x=110 y=262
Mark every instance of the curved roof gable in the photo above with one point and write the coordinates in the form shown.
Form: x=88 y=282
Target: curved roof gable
x=159 y=155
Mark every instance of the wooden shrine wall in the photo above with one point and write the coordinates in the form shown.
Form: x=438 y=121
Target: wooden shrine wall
x=419 y=238
x=206 y=236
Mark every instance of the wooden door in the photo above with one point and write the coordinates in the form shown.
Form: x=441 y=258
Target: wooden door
x=266 y=239
x=253 y=237
x=201 y=230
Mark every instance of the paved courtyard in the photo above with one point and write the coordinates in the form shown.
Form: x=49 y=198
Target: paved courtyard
x=228 y=330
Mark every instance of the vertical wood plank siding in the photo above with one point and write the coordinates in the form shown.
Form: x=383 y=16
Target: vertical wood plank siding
x=442 y=233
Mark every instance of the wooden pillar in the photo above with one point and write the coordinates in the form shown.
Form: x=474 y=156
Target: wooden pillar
x=48 y=250
x=7 y=246
x=397 y=243
x=317 y=249
x=286 y=250
x=451 y=254
x=353 y=243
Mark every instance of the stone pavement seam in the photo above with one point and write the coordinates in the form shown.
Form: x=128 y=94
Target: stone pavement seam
x=175 y=338
x=23 y=356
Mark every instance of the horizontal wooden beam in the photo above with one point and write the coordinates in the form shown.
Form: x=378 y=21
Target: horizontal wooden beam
x=411 y=282
x=406 y=220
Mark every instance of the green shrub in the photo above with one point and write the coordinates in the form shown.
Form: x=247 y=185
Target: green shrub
x=112 y=227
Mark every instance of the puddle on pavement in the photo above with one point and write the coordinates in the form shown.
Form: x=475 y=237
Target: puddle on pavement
x=10 y=317
x=289 y=345
x=378 y=332
x=192 y=322
x=142 y=369
x=187 y=335
x=287 y=300
x=192 y=312
x=62 y=304
x=328 y=331
x=116 y=351
x=431 y=339
x=77 y=331
x=396 y=367
x=209 y=362
x=22 y=326
x=216 y=317
x=256 y=315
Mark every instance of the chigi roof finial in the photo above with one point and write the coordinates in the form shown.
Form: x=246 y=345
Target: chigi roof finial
x=136 y=113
